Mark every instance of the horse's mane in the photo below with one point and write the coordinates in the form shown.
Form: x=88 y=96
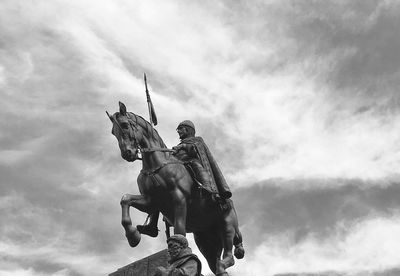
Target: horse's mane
x=148 y=127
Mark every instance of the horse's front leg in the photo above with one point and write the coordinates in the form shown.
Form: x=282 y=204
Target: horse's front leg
x=180 y=209
x=139 y=202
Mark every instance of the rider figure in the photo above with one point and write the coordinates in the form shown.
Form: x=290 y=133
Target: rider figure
x=194 y=152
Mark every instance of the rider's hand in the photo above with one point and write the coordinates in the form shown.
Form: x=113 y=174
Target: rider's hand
x=178 y=147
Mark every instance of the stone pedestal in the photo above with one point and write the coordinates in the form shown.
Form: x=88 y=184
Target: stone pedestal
x=144 y=267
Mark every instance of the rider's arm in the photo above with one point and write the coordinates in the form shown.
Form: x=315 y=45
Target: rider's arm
x=190 y=149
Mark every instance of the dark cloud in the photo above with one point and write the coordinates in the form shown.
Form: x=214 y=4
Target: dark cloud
x=389 y=272
x=270 y=208
x=359 y=44
x=351 y=46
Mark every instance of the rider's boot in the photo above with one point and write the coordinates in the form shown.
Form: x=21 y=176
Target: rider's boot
x=150 y=229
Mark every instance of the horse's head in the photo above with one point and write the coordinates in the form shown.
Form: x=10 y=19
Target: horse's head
x=127 y=133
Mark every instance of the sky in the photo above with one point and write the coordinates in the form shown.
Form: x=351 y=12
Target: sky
x=297 y=100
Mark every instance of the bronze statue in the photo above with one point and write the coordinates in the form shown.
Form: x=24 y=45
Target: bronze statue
x=166 y=186
x=196 y=156
x=182 y=262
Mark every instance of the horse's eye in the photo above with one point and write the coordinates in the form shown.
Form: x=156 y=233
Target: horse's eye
x=124 y=125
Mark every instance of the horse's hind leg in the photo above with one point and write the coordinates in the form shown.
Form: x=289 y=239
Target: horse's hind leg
x=228 y=234
x=238 y=243
x=231 y=236
x=140 y=203
x=237 y=240
x=210 y=246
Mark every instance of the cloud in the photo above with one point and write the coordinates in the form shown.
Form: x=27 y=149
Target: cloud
x=52 y=239
x=274 y=89
x=302 y=210
x=20 y=272
x=279 y=90
x=10 y=157
x=351 y=251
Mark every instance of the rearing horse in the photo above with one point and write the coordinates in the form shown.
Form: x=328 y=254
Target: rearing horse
x=167 y=187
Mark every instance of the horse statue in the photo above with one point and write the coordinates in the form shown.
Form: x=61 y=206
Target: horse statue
x=166 y=186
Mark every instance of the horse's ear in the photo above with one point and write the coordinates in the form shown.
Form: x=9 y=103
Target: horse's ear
x=122 y=109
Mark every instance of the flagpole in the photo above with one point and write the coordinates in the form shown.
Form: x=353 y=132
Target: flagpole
x=148 y=99
x=152 y=113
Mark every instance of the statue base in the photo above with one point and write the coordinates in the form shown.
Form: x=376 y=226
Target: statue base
x=144 y=267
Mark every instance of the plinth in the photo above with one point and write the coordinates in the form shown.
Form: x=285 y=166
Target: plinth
x=144 y=267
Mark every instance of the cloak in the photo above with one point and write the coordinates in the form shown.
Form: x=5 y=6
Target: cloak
x=209 y=163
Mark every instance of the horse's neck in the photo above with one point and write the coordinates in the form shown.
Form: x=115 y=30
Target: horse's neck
x=153 y=158
x=150 y=141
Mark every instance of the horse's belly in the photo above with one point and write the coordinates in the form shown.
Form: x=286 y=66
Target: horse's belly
x=201 y=217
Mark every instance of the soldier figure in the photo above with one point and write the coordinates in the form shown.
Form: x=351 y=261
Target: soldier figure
x=195 y=154
x=182 y=262
x=193 y=151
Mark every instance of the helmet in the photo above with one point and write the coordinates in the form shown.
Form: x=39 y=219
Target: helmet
x=187 y=123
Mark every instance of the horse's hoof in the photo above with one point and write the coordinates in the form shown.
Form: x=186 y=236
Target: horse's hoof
x=220 y=271
x=239 y=251
x=148 y=230
x=133 y=236
x=228 y=262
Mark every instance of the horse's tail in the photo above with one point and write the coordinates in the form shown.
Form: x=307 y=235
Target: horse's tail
x=237 y=239
x=238 y=243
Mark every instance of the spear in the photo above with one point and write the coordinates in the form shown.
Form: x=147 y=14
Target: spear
x=152 y=113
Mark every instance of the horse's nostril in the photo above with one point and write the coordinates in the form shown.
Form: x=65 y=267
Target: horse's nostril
x=128 y=154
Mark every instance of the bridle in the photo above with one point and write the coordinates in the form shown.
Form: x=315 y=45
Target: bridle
x=134 y=126
x=135 y=130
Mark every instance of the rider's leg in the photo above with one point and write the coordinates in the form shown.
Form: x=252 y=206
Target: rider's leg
x=201 y=173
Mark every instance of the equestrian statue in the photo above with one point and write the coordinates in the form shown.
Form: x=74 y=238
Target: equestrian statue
x=184 y=184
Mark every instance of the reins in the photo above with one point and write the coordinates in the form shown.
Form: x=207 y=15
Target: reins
x=156 y=149
x=134 y=126
x=154 y=171
x=135 y=130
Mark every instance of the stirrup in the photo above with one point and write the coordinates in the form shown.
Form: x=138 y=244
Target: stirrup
x=148 y=230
